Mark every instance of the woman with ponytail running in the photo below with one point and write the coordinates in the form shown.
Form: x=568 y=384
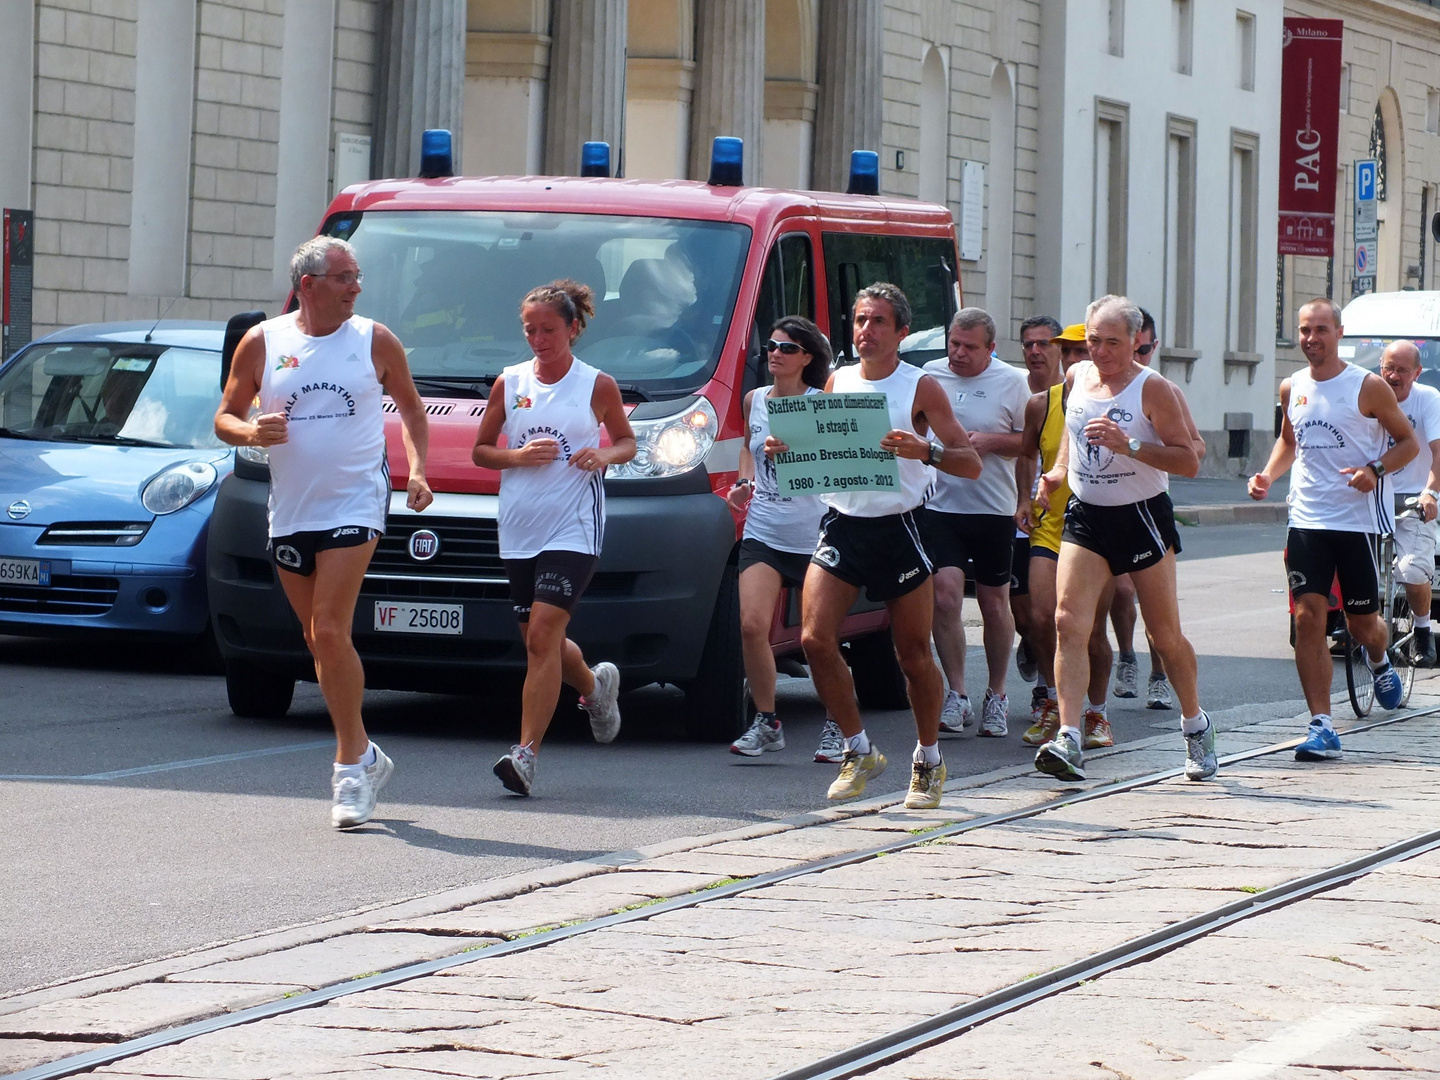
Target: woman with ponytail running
x=780 y=531
x=552 y=509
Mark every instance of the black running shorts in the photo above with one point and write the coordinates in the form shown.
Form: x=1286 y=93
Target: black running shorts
x=790 y=565
x=296 y=552
x=979 y=544
x=1132 y=536
x=1313 y=558
x=557 y=578
x=884 y=555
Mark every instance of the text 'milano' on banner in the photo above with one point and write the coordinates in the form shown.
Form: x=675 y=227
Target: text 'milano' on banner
x=834 y=442
x=1309 y=135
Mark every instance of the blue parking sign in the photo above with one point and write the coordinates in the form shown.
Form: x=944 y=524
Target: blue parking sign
x=1364 y=181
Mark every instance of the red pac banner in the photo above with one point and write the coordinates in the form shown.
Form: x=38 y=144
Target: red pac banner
x=1309 y=135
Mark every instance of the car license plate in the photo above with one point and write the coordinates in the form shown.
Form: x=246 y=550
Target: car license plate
x=25 y=572
x=392 y=618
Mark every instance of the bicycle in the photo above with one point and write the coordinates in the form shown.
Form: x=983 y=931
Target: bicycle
x=1399 y=628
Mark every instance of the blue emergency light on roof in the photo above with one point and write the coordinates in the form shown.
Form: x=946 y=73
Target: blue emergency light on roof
x=595 y=159
x=727 y=160
x=864 y=173
x=437 y=157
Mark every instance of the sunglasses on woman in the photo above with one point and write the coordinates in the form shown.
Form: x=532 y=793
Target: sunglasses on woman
x=788 y=348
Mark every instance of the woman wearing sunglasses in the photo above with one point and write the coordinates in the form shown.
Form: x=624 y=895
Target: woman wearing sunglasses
x=779 y=531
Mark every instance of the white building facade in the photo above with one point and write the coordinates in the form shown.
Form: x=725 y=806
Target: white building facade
x=1159 y=180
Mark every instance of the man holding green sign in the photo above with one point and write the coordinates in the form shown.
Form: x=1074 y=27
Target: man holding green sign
x=869 y=455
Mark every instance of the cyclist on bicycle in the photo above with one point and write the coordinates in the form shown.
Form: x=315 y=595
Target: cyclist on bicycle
x=1336 y=421
x=1417 y=485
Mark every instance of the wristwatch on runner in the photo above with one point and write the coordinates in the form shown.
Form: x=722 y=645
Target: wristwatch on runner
x=1377 y=467
x=937 y=453
x=1134 y=445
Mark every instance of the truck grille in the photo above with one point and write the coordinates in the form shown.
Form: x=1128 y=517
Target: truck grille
x=469 y=548
x=67 y=595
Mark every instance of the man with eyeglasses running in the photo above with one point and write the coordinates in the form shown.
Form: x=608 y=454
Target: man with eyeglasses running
x=1418 y=481
x=319 y=375
x=1122 y=607
x=870 y=539
x=1336 y=417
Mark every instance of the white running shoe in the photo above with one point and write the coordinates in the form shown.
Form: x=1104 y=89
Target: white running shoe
x=1157 y=693
x=354 y=800
x=603 y=705
x=759 y=738
x=516 y=769
x=1127 y=676
x=956 y=714
x=831 y=750
x=995 y=716
x=379 y=772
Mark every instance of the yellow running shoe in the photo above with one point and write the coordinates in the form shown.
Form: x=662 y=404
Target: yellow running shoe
x=855 y=770
x=927 y=783
x=1046 y=727
x=1097 y=731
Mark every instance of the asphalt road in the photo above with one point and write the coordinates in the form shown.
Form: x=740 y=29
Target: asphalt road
x=143 y=818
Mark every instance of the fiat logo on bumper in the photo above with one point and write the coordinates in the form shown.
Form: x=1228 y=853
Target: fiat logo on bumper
x=424 y=545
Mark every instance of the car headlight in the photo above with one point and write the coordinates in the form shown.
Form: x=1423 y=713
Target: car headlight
x=256 y=455
x=177 y=487
x=670 y=445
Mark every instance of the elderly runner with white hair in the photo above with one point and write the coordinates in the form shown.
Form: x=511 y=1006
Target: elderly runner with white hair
x=319 y=374
x=1125 y=432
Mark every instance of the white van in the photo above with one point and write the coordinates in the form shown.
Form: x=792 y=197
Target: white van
x=1372 y=321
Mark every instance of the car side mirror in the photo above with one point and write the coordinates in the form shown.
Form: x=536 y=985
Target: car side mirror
x=235 y=329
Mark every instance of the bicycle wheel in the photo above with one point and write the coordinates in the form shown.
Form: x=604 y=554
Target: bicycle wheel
x=1359 y=679
x=1402 y=645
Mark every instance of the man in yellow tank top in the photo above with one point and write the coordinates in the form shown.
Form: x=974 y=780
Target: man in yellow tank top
x=1044 y=428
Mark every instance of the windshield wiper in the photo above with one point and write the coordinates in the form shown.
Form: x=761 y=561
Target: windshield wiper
x=117 y=440
x=467 y=385
x=11 y=433
x=634 y=391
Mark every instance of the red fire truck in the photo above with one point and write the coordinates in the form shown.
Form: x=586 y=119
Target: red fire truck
x=689 y=277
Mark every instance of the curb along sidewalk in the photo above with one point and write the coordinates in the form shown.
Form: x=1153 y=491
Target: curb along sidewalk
x=772 y=957
x=1225 y=501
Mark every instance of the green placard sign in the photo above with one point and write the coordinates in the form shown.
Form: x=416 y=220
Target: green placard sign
x=834 y=442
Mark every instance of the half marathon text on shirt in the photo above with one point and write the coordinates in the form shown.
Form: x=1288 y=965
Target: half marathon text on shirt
x=345 y=406
x=834 y=442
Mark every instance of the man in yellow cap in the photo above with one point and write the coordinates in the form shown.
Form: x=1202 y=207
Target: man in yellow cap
x=1044 y=428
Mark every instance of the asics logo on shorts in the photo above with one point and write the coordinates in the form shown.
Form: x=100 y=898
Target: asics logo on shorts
x=349 y=530
x=286 y=555
x=1142 y=555
x=908 y=575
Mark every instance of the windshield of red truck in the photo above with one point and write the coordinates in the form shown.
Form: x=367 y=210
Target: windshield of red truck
x=449 y=283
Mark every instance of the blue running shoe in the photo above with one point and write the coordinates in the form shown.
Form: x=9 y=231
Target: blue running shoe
x=1389 y=689
x=1321 y=744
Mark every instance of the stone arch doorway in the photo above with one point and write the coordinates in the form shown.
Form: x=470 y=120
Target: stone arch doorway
x=1387 y=146
x=935 y=126
x=1000 y=231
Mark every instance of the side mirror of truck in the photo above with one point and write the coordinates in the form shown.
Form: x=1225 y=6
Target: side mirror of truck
x=238 y=326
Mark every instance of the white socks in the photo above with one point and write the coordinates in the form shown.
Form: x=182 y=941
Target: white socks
x=367 y=759
x=1095 y=708
x=1422 y=622
x=926 y=755
x=1194 y=725
x=859 y=743
x=1323 y=719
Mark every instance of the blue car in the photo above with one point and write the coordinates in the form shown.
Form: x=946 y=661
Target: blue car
x=109 y=466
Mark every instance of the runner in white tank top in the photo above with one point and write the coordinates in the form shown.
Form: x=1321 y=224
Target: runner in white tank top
x=552 y=509
x=319 y=374
x=870 y=539
x=1125 y=432
x=331 y=471
x=1336 y=421
x=779 y=532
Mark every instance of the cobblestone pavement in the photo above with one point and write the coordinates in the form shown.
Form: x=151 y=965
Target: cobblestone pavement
x=1345 y=984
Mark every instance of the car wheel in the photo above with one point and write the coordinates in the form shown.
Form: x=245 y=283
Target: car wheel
x=257 y=693
x=715 y=701
x=879 y=682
